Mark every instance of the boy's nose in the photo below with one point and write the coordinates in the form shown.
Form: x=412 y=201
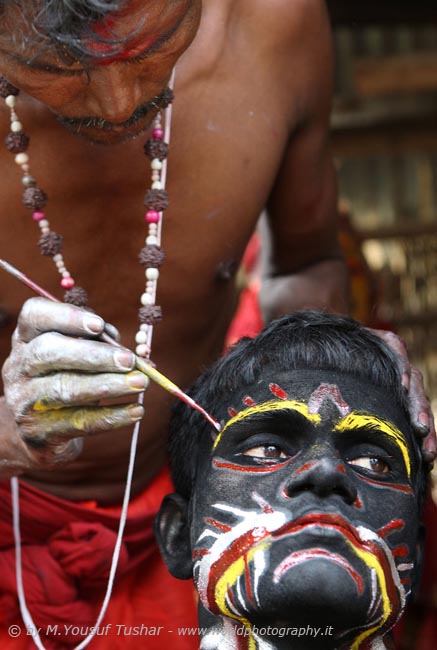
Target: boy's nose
x=324 y=477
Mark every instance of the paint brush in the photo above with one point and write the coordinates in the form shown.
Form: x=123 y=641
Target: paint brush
x=143 y=366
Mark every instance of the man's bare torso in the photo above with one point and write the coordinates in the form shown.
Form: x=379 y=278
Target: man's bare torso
x=233 y=113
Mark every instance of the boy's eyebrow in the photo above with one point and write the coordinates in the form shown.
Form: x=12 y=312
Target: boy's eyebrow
x=355 y=421
x=268 y=407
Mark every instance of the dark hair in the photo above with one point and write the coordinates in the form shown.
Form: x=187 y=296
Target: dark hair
x=67 y=24
x=298 y=341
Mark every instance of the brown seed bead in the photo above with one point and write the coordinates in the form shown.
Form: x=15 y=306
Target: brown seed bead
x=17 y=142
x=150 y=314
x=76 y=296
x=6 y=88
x=151 y=256
x=34 y=198
x=50 y=244
x=156 y=148
x=156 y=200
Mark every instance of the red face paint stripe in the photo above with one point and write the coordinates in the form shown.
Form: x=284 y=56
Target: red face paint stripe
x=400 y=551
x=396 y=524
x=237 y=549
x=218 y=524
x=305 y=467
x=392 y=486
x=248 y=401
x=220 y=464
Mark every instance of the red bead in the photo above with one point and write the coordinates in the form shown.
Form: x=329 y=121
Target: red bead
x=152 y=216
x=67 y=283
x=39 y=216
x=158 y=133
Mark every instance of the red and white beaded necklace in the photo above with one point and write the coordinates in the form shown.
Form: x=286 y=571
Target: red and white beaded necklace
x=156 y=201
x=151 y=257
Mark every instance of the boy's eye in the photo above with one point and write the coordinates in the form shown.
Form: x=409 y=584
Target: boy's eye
x=373 y=464
x=266 y=451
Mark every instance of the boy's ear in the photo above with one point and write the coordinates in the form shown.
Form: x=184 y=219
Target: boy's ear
x=173 y=535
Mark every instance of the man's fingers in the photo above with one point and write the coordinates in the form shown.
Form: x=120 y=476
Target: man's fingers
x=46 y=430
x=421 y=415
x=398 y=345
x=74 y=389
x=52 y=351
x=40 y=315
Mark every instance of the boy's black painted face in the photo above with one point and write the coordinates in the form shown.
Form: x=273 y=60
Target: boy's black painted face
x=306 y=510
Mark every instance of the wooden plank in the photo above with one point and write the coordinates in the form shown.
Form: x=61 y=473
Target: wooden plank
x=382 y=11
x=400 y=73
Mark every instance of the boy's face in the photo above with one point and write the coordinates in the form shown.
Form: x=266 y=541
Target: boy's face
x=306 y=510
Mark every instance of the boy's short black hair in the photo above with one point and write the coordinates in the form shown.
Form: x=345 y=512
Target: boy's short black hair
x=302 y=340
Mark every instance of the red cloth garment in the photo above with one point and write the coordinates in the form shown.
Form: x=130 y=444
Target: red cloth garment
x=66 y=555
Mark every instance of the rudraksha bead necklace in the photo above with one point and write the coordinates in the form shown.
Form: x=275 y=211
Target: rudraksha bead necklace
x=156 y=201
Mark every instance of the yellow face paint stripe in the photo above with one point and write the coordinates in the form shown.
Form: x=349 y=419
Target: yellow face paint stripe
x=360 y=421
x=228 y=579
x=372 y=562
x=272 y=405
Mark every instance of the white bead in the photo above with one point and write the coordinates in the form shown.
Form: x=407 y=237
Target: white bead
x=152 y=274
x=16 y=126
x=156 y=164
x=21 y=158
x=157 y=185
x=140 y=337
x=146 y=299
x=142 y=350
x=144 y=327
x=43 y=223
x=10 y=101
x=150 y=287
x=66 y=274
x=156 y=176
x=57 y=257
x=25 y=168
x=28 y=180
x=62 y=269
x=151 y=240
x=45 y=231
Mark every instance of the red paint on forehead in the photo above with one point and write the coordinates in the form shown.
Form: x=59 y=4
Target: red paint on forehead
x=129 y=49
x=277 y=391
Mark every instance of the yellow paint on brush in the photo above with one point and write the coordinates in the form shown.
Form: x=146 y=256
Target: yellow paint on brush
x=272 y=405
x=228 y=579
x=372 y=562
x=43 y=405
x=361 y=421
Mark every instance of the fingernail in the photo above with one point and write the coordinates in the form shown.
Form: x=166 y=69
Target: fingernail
x=423 y=420
x=137 y=380
x=124 y=359
x=93 y=324
x=136 y=412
